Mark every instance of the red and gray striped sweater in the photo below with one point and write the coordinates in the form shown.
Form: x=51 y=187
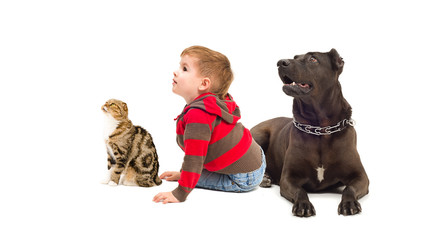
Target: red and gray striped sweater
x=209 y=133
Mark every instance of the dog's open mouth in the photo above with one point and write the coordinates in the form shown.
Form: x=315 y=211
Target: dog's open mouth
x=288 y=81
x=293 y=88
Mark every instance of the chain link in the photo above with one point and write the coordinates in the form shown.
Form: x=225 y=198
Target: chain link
x=319 y=131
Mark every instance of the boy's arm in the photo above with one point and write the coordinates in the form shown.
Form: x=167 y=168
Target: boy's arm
x=197 y=135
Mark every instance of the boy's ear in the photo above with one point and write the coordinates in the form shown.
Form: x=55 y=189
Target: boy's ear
x=205 y=85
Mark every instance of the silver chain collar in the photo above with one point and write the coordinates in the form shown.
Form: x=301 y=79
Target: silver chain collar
x=319 y=131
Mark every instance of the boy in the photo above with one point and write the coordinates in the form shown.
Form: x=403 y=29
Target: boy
x=220 y=153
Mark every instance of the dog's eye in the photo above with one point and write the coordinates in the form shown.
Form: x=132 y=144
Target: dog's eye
x=313 y=60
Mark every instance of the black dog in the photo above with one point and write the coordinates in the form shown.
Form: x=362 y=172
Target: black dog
x=316 y=150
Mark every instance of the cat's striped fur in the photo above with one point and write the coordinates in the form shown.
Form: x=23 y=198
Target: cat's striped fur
x=132 y=156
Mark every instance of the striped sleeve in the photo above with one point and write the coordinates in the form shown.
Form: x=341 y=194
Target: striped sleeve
x=197 y=134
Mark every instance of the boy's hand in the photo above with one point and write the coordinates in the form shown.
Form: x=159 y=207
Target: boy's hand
x=170 y=176
x=165 y=197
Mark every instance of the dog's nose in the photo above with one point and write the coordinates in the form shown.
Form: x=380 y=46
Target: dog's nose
x=283 y=63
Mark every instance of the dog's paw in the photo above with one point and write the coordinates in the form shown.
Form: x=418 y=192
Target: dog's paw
x=348 y=208
x=303 y=209
x=266 y=181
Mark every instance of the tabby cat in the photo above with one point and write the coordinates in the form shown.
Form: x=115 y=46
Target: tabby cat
x=132 y=158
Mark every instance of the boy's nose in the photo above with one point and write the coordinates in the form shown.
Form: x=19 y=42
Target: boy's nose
x=175 y=74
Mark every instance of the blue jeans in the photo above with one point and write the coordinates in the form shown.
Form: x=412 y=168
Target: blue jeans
x=240 y=182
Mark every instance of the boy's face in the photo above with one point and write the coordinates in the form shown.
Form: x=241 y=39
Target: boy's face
x=187 y=80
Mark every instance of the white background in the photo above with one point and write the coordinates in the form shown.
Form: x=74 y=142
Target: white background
x=61 y=60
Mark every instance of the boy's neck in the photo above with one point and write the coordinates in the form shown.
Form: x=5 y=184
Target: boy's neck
x=188 y=101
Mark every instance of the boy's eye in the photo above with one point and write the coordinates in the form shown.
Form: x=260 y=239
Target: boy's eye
x=184 y=69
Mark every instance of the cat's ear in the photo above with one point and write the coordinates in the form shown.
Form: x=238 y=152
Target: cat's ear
x=124 y=106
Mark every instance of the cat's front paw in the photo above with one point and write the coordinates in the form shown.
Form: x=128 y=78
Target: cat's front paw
x=105 y=181
x=106 y=178
x=112 y=183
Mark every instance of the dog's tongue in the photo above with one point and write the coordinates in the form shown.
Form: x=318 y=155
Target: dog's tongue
x=303 y=85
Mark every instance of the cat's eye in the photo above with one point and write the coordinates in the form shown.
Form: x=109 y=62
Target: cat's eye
x=112 y=104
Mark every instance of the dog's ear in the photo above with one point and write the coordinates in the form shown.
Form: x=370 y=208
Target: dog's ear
x=336 y=60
